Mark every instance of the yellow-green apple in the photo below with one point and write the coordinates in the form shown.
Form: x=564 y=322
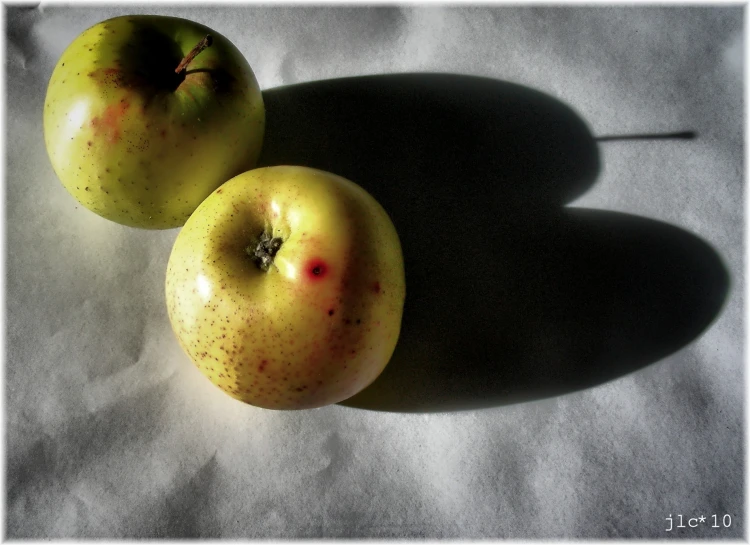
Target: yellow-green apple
x=286 y=287
x=139 y=136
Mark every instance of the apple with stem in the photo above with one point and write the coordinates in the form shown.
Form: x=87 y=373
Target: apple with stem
x=286 y=288
x=146 y=115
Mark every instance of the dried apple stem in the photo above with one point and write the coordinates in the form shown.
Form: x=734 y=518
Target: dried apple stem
x=203 y=44
x=264 y=252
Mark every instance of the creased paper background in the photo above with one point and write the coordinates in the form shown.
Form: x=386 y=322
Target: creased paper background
x=110 y=432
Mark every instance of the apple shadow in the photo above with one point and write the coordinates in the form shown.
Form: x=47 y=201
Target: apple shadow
x=511 y=296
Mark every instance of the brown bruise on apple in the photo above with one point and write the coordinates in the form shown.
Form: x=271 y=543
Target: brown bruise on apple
x=107 y=127
x=325 y=339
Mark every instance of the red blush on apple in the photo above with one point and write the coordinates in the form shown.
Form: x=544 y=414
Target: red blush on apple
x=316 y=269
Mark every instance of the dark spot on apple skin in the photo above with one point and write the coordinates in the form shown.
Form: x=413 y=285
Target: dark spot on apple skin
x=218 y=190
x=262 y=365
x=316 y=269
x=330 y=311
x=376 y=287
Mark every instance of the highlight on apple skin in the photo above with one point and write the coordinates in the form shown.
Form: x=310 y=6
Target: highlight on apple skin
x=139 y=141
x=286 y=288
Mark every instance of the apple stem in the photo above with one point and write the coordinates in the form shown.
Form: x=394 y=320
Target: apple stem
x=264 y=251
x=203 y=44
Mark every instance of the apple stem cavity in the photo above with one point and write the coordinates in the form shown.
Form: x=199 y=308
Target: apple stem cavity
x=264 y=252
x=200 y=46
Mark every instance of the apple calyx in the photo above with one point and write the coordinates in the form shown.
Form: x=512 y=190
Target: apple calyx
x=264 y=251
x=200 y=46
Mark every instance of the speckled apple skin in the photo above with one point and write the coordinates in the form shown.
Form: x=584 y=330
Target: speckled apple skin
x=317 y=327
x=138 y=154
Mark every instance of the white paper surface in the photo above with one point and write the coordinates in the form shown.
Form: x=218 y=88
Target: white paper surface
x=562 y=372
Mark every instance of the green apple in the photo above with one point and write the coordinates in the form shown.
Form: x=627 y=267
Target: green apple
x=145 y=116
x=286 y=288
